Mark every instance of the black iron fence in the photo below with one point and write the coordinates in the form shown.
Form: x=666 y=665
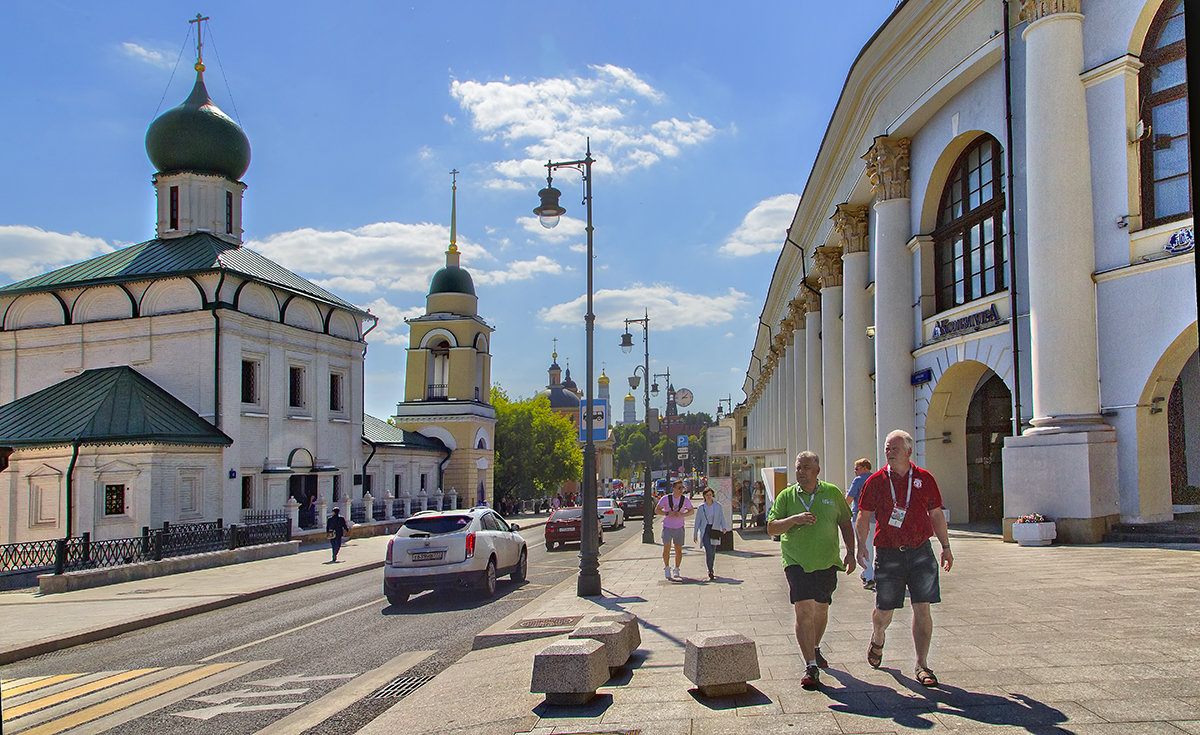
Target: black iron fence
x=81 y=552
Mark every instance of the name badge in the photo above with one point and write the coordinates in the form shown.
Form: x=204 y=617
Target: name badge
x=897 y=518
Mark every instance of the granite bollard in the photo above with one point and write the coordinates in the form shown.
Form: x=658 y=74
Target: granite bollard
x=720 y=662
x=570 y=671
x=612 y=635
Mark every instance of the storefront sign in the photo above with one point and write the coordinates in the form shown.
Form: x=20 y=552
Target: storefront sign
x=969 y=323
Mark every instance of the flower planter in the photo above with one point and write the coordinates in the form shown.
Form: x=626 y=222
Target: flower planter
x=1034 y=534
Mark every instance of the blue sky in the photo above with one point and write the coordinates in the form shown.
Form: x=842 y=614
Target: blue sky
x=704 y=117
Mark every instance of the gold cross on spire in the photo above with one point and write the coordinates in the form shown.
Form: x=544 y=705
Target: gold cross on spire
x=453 y=208
x=198 y=20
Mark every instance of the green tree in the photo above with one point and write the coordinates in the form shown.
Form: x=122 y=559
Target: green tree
x=536 y=448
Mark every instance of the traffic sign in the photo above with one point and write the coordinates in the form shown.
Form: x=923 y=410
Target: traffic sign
x=681 y=441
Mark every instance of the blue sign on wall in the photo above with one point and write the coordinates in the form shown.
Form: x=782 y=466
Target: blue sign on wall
x=922 y=377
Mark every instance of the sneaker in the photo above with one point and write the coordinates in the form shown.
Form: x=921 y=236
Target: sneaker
x=711 y=576
x=812 y=678
x=667 y=573
x=824 y=664
x=869 y=585
x=675 y=573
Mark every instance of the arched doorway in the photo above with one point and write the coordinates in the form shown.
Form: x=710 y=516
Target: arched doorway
x=989 y=421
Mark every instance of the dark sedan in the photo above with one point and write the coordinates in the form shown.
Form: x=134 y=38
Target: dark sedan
x=632 y=505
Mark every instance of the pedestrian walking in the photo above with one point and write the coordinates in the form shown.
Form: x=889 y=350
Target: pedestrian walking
x=862 y=470
x=807 y=517
x=675 y=507
x=709 y=527
x=335 y=528
x=906 y=505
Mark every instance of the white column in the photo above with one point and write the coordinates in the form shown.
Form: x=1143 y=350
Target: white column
x=887 y=166
x=833 y=463
x=1066 y=465
x=1061 y=253
x=851 y=222
x=789 y=390
x=799 y=384
x=812 y=356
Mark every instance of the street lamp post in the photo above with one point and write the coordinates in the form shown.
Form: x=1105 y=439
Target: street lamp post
x=548 y=213
x=626 y=346
x=727 y=401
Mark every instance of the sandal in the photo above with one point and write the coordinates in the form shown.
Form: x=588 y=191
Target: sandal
x=926 y=677
x=875 y=654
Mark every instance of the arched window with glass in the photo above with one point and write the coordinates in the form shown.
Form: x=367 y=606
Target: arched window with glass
x=1162 y=83
x=968 y=244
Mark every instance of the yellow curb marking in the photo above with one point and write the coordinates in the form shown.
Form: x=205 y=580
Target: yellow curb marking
x=39 y=683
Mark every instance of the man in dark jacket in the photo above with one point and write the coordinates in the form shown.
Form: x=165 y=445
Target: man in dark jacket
x=335 y=527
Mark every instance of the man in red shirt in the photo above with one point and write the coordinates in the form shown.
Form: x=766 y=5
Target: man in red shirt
x=907 y=505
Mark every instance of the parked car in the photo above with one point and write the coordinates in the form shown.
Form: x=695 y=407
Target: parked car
x=566 y=525
x=611 y=515
x=466 y=548
x=631 y=504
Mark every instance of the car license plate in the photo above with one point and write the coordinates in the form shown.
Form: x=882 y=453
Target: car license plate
x=427 y=555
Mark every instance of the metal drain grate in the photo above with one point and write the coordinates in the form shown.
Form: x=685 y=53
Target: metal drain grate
x=400 y=688
x=564 y=622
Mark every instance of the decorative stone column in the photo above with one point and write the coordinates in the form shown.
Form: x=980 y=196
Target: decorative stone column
x=828 y=261
x=812 y=367
x=887 y=167
x=799 y=387
x=1065 y=466
x=781 y=389
x=786 y=328
x=850 y=227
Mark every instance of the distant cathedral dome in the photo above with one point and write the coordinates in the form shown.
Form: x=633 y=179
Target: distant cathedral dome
x=198 y=137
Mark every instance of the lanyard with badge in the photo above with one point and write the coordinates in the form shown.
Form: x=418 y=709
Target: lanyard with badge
x=800 y=496
x=898 y=511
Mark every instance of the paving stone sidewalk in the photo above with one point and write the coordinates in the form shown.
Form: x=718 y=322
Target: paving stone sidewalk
x=1098 y=639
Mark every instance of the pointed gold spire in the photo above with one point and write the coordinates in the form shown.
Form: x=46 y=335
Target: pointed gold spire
x=199 y=21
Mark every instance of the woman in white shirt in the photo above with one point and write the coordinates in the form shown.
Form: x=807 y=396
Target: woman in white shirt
x=710 y=520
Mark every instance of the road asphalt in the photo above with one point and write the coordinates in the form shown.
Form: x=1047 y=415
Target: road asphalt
x=1079 y=639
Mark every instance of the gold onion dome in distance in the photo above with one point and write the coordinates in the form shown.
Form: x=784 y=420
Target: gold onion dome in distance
x=197 y=137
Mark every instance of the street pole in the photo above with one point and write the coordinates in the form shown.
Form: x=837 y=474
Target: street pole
x=626 y=346
x=588 y=584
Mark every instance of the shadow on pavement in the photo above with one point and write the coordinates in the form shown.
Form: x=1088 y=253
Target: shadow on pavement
x=751 y=698
x=599 y=704
x=857 y=697
x=446 y=600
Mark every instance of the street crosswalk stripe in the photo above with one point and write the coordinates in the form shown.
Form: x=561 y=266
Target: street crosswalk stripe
x=6 y=684
x=117 y=703
x=39 y=684
x=49 y=714
x=58 y=697
x=54 y=688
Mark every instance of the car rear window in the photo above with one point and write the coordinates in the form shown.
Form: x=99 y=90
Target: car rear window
x=604 y=503
x=438 y=524
x=566 y=514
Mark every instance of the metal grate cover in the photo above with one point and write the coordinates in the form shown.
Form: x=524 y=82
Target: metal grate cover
x=564 y=622
x=400 y=688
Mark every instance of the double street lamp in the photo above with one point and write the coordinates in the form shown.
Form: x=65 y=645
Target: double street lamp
x=626 y=347
x=548 y=213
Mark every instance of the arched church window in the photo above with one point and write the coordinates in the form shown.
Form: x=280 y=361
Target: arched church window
x=968 y=244
x=439 y=371
x=1162 y=82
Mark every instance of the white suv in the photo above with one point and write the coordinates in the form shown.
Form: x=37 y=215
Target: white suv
x=455 y=548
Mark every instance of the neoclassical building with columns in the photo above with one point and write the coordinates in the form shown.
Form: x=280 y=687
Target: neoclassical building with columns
x=998 y=224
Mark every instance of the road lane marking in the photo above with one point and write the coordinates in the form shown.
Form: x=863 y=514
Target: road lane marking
x=279 y=681
x=38 y=683
x=207 y=713
x=118 y=703
x=59 y=697
x=289 y=631
x=223 y=697
x=317 y=712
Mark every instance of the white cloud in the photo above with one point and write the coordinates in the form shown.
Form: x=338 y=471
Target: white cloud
x=147 y=56
x=391 y=329
x=763 y=229
x=375 y=257
x=669 y=308
x=29 y=251
x=550 y=119
x=520 y=270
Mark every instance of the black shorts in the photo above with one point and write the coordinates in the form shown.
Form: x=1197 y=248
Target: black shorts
x=817 y=586
x=896 y=569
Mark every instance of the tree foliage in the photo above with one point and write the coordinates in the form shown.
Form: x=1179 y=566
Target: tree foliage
x=536 y=449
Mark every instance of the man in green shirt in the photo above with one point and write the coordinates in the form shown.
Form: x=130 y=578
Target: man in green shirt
x=807 y=516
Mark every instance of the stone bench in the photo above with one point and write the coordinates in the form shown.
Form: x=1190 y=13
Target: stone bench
x=570 y=671
x=720 y=662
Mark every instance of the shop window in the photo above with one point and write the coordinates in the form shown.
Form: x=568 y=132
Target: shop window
x=968 y=244
x=1164 y=149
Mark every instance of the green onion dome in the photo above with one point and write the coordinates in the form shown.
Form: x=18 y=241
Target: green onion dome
x=198 y=137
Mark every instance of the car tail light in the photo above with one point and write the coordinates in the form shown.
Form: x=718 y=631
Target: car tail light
x=391 y=542
x=470 y=544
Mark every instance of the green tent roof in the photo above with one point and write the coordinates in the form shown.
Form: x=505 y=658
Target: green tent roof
x=378 y=431
x=104 y=406
x=191 y=254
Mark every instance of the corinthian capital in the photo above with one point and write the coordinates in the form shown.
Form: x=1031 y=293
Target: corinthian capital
x=1032 y=10
x=850 y=227
x=887 y=167
x=829 y=265
x=812 y=300
x=796 y=312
